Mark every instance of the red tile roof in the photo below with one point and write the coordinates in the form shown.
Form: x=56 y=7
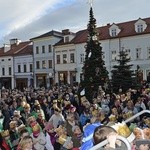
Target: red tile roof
x=127 y=29
x=15 y=48
x=28 y=50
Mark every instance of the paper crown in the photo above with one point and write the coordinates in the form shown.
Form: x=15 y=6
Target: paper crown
x=16 y=113
x=123 y=130
x=27 y=105
x=35 y=127
x=21 y=127
x=62 y=139
x=5 y=133
x=112 y=118
x=36 y=103
x=83 y=98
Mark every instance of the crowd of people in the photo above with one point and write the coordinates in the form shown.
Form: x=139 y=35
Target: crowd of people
x=60 y=119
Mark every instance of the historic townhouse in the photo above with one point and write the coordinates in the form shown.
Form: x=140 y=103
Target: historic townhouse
x=65 y=59
x=7 y=65
x=23 y=67
x=43 y=57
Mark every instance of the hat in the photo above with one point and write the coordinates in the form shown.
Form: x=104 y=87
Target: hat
x=35 y=129
x=21 y=127
x=83 y=98
x=17 y=114
x=61 y=140
x=36 y=102
x=27 y=105
x=55 y=101
x=123 y=130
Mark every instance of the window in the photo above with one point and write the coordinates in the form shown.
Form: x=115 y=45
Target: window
x=37 y=65
x=25 y=68
x=66 y=39
x=113 y=56
x=138 y=53
x=19 y=68
x=58 y=59
x=3 y=71
x=72 y=58
x=37 y=50
x=2 y=59
x=64 y=58
x=9 y=70
x=44 y=64
x=113 y=32
x=128 y=52
x=49 y=48
x=148 y=52
x=139 y=28
x=43 y=49
x=50 y=63
x=81 y=58
x=31 y=68
x=9 y=59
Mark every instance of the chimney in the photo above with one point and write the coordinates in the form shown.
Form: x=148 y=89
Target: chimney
x=66 y=31
x=14 y=41
x=6 y=47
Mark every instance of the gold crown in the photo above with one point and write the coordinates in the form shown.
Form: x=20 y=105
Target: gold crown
x=122 y=129
x=5 y=133
x=112 y=118
x=62 y=139
x=35 y=128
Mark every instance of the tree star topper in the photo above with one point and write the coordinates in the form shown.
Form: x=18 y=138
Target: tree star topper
x=90 y=2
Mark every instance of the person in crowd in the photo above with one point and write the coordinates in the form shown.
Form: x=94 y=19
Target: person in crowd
x=57 y=118
x=26 y=143
x=102 y=133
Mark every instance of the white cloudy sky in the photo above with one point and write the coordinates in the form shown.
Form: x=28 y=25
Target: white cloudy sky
x=25 y=19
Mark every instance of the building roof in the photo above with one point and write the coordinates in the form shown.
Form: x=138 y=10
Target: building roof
x=28 y=50
x=15 y=48
x=50 y=33
x=127 y=29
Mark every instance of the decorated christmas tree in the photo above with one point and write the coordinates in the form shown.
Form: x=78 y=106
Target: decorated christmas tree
x=95 y=74
x=122 y=75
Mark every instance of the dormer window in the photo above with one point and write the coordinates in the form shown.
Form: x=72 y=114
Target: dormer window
x=66 y=39
x=114 y=30
x=140 y=26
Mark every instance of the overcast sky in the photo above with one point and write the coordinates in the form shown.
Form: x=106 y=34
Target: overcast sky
x=25 y=19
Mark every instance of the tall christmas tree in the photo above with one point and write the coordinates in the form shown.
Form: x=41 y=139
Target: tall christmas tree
x=122 y=75
x=94 y=71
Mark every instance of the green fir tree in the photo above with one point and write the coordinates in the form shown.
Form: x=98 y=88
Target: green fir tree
x=122 y=75
x=94 y=70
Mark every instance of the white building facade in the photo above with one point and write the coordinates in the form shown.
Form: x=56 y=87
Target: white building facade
x=43 y=58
